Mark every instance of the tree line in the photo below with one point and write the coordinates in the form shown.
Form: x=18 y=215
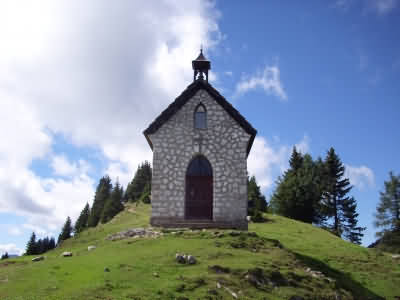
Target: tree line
x=316 y=191
x=108 y=201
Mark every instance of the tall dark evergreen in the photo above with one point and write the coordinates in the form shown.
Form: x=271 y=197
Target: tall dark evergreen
x=352 y=231
x=66 y=231
x=31 y=246
x=103 y=192
x=113 y=204
x=137 y=186
x=338 y=204
x=82 y=221
x=256 y=200
x=387 y=216
x=4 y=256
x=298 y=191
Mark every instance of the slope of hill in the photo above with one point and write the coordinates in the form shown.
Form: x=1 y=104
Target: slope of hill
x=279 y=259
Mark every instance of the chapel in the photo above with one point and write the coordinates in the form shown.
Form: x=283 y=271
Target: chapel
x=200 y=145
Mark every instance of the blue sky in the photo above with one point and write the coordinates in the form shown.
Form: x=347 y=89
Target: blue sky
x=80 y=81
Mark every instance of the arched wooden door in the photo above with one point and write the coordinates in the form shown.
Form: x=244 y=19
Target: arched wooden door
x=199 y=189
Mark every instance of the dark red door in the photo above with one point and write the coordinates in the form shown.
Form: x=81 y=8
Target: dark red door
x=199 y=190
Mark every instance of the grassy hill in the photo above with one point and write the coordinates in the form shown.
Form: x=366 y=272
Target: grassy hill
x=278 y=259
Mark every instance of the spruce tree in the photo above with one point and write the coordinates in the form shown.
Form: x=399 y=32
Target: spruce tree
x=4 y=256
x=335 y=196
x=103 y=192
x=31 y=246
x=387 y=216
x=256 y=200
x=136 y=187
x=82 y=221
x=52 y=243
x=352 y=231
x=66 y=231
x=298 y=191
x=113 y=204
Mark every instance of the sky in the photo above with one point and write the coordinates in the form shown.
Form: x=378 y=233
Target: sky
x=81 y=80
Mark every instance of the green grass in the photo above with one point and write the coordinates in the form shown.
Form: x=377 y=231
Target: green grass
x=280 y=251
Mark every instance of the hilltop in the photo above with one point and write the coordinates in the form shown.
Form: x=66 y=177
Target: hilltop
x=278 y=259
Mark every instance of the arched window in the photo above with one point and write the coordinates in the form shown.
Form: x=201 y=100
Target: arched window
x=200 y=117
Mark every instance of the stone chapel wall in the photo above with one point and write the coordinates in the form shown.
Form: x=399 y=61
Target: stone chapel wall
x=223 y=143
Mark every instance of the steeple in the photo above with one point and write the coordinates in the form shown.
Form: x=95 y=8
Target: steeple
x=200 y=67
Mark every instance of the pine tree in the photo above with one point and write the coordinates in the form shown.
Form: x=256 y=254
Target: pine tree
x=136 y=187
x=336 y=190
x=296 y=160
x=5 y=256
x=387 y=214
x=113 y=204
x=52 y=243
x=31 y=246
x=66 y=231
x=352 y=232
x=298 y=191
x=82 y=221
x=256 y=200
x=103 y=192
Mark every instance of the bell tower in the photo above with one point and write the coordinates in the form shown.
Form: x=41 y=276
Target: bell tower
x=200 y=67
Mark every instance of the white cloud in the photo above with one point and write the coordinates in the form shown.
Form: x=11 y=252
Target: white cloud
x=360 y=177
x=269 y=160
x=62 y=166
x=304 y=145
x=96 y=73
x=268 y=80
x=10 y=249
x=381 y=7
x=228 y=73
x=14 y=231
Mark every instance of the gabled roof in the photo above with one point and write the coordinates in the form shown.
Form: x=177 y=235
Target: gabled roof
x=186 y=95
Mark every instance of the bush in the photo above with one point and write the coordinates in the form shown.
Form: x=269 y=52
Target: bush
x=257 y=217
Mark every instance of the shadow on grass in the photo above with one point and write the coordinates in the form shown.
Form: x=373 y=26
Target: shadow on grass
x=343 y=280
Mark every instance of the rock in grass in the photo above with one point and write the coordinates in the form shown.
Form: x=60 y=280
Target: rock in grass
x=39 y=258
x=155 y=274
x=66 y=254
x=191 y=260
x=180 y=258
x=90 y=248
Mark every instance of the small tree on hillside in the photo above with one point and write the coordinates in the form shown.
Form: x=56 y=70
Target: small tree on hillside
x=337 y=203
x=4 y=256
x=103 y=192
x=142 y=178
x=387 y=216
x=31 y=246
x=113 y=204
x=82 y=221
x=298 y=191
x=66 y=231
x=256 y=200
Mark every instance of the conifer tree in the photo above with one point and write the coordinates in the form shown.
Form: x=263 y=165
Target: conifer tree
x=66 y=231
x=336 y=200
x=136 y=187
x=387 y=216
x=5 y=256
x=31 y=246
x=103 y=192
x=298 y=191
x=256 y=200
x=113 y=204
x=352 y=231
x=82 y=221
x=52 y=243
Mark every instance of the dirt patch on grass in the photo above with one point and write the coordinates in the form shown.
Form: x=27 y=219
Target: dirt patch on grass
x=12 y=263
